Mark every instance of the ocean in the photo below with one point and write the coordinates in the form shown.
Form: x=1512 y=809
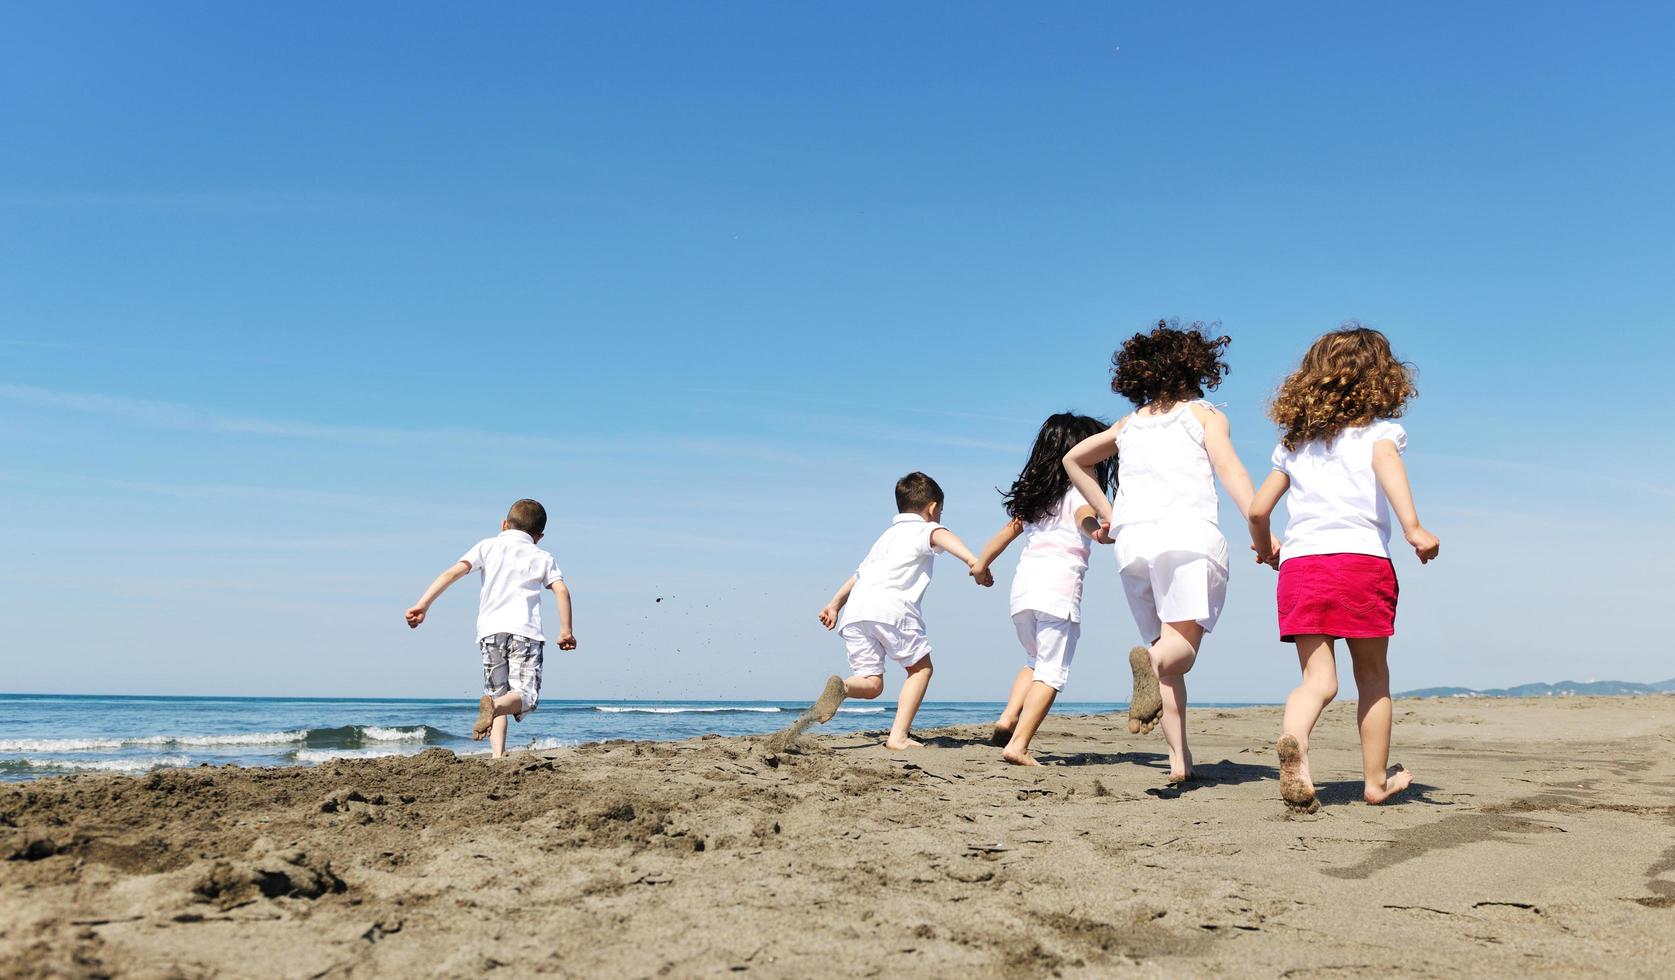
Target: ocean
x=58 y=735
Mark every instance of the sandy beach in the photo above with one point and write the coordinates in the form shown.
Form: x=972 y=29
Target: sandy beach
x=1540 y=839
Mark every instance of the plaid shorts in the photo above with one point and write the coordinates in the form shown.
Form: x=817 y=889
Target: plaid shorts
x=512 y=663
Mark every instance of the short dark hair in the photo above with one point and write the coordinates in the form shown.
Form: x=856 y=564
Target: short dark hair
x=914 y=491
x=527 y=516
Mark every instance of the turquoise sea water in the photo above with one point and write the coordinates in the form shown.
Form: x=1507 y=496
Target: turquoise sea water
x=56 y=735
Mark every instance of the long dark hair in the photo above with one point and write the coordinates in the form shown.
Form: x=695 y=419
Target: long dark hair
x=1043 y=483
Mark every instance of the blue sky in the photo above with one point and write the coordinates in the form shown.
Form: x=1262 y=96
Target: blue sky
x=294 y=301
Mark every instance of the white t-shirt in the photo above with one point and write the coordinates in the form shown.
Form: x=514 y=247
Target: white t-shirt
x=1335 y=502
x=1052 y=564
x=892 y=579
x=514 y=572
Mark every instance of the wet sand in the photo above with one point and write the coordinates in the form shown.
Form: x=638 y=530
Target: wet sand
x=1539 y=839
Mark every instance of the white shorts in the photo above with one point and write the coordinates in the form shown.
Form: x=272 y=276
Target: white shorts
x=1172 y=572
x=1050 y=643
x=869 y=643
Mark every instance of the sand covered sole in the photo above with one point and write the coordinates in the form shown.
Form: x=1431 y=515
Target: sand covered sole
x=1294 y=789
x=485 y=718
x=1146 y=705
x=830 y=699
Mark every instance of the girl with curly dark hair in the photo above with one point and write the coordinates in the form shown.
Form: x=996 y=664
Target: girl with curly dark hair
x=1340 y=458
x=1171 y=553
x=1057 y=526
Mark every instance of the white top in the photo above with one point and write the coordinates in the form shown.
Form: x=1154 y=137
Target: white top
x=1163 y=469
x=894 y=575
x=514 y=572
x=1053 y=563
x=1335 y=502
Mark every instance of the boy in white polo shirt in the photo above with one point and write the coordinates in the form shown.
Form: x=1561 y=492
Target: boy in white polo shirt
x=878 y=608
x=514 y=572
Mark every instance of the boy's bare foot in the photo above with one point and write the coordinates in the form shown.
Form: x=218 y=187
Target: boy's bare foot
x=1002 y=736
x=906 y=743
x=827 y=704
x=1183 y=773
x=1396 y=780
x=485 y=718
x=1295 y=788
x=1018 y=757
x=1145 y=707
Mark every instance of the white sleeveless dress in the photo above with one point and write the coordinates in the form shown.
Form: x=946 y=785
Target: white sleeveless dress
x=1170 y=552
x=1047 y=591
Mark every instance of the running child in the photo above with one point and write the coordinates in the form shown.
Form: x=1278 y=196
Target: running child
x=1340 y=457
x=514 y=572
x=1170 y=550
x=1058 y=528
x=877 y=610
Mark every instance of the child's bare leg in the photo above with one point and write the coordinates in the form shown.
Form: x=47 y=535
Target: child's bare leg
x=507 y=704
x=1372 y=714
x=1038 y=700
x=907 y=704
x=1302 y=710
x=1008 y=720
x=1172 y=656
x=864 y=686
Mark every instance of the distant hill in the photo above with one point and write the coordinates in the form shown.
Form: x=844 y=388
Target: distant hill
x=1545 y=690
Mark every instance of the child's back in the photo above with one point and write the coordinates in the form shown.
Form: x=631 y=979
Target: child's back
x=1163 y=468
x=514 y=572
x=891 y=580
x=1053 y=562
x=1335 y=504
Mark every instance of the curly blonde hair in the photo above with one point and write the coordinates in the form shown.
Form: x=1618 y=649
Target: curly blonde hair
x=1348 y=378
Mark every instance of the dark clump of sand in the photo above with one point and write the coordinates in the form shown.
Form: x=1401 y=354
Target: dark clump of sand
x=1537 y=839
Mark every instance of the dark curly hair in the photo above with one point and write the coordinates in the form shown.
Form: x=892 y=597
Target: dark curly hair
x=1043 y=483
x=1348 y=378
x=1170 y=364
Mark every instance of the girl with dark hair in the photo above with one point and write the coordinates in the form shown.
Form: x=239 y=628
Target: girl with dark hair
x=1057 y=526
x=1170 y=551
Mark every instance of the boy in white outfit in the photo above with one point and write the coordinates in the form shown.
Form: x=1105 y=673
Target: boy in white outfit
x=878 y=607
x=514 y=573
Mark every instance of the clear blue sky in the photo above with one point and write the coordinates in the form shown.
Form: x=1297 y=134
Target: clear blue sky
x=295 y=300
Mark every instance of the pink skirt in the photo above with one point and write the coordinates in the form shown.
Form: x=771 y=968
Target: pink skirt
x=1346 y=596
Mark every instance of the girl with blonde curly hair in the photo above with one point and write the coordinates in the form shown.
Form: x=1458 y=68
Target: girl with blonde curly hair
x=1340 y=459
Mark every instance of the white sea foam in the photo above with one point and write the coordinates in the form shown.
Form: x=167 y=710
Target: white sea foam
x=328 y=755
x=860 y=711
x=59 y=744
x=205 y=741
x=548 y=742
x=621 y=709
x=377 y=734
x=108 y=765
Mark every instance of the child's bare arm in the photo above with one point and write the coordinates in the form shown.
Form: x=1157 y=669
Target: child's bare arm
x=997 y=544
x=950 y=542
x=566 y=637
x=1218 y=442
x=1392 y=479
x=457 y=571
x=829 y=615
x=1262 y=504
x=1080 y=461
